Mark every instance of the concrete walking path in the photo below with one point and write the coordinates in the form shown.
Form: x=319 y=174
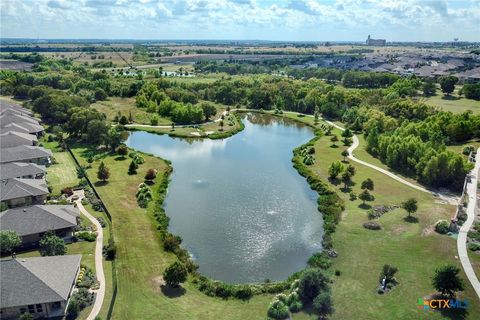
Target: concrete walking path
x=471 y=192
x=100 y=293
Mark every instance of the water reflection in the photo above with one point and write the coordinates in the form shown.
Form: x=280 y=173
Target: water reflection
x=243 y=211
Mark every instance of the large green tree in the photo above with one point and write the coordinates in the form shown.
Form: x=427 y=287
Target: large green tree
x=447 y=83
x=175 y=274
x=52 y=245
x=447 y=281
x=9 y=240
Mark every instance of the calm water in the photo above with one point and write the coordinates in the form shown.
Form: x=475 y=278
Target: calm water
x=243 y=211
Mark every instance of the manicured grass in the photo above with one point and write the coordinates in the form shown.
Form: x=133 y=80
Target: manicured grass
x=141 y=258
x=113 y=105
x=453 y=103
x=63 y=173
x=412 y=247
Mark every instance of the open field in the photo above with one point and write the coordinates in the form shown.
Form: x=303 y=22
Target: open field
x=125 y=106
x=453 y=103
x=141 y=258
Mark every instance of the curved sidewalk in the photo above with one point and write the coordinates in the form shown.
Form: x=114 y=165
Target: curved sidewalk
x=471 y=191
x=100 y=293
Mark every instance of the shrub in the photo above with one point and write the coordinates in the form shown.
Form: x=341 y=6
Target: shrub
x=312 y=282
x=320 y=260
x=474 y=246
x=442 y=227
x=372 y=225
x=322 y=304
x=132 y=168
x=110 y=249
x=67 y=191
x=122 y=150
x=278 y=310
x=353 y=196
x=338 y=273
x=175 y=274
x=87 y=236
x=243 y=292
x=151 y=174
x=171 y=242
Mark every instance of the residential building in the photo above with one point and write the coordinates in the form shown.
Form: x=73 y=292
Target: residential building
x=21 y=170
x=32 y=222
x=41 y=286
x=12 y=139
x=25 y=127
x=32 y=154
x=20 y=192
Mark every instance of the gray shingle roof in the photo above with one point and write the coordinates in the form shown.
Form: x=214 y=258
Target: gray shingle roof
x=37 y=280
x=38 y=218
x=12 y=117
x=14 y=107
x=23 y=153
x=19 y=188
x=11 y=139
x=20 y=169
x=25 y=127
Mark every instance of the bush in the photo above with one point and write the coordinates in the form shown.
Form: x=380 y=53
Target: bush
x=67 y=191
x=151 y=174
x=278 y=310
x=171 y=242
x=338 y=273
x=322 y=304
x=442 y=227
x=175 y=274
x=110 y=249
x=474 y=246
x=243 y=292
x=372 y=225
x=122 y=150
x=312 y=282
x=87 y=236
x=320 y=260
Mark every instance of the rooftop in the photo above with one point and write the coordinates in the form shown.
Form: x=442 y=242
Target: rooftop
x=37 y=280
x=18 y=188
x=20 y=169
x=38 y=218
x=23 y=153
x=14 y=139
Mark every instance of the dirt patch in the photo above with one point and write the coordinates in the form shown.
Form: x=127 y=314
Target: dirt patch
x=157 y=283
x=427 y=231
x=398 y=229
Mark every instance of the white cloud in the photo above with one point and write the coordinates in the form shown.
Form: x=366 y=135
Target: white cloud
x=236 y=19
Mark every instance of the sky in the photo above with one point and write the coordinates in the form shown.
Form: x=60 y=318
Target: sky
x=289 y=20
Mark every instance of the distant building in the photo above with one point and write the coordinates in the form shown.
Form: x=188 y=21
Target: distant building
x=375 y=42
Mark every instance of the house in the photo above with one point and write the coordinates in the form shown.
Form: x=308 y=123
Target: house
x=32 y=154
x=32 y=222
x=375 y=42
x=6 y=107
x=25 y=127
x=19 y=192
x=41 y=286
x=21 y=170
x=12 y=139
x=13 y=117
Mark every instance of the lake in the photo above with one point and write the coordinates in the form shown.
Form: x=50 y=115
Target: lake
x=243 y=212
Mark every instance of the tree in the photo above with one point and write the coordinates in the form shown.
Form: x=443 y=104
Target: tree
x=311 y=283
x=351 y=170
x=81 y=172
x=113 y=138
x=132 y=168
x=150 y=175
x=334 y=139
x=367 y=184
x=328 y=129
x=221 y=125
x=100 y=94
x=345 y=154
x=316 y=114
x=346 y=178
x=103 y=173
x=122 y=150
x=447 y=84
x=366 y=196
x=410 y=206
x=9 y=240
x=175 y=274
x=388 y=273
x=447 y=281
x=347 y=133
x=209 y=110
x=130 y=117
x=323 y=304
x=335 y=169
x=123 y=120
x=428 y=87
x=52 y=245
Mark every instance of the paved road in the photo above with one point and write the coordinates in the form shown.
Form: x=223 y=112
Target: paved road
x=100 y=293
x=471 y=191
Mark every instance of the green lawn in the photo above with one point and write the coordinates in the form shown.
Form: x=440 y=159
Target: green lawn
x=63 y=172
x=453 y=103
x=141 y=258
x=412 y=247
